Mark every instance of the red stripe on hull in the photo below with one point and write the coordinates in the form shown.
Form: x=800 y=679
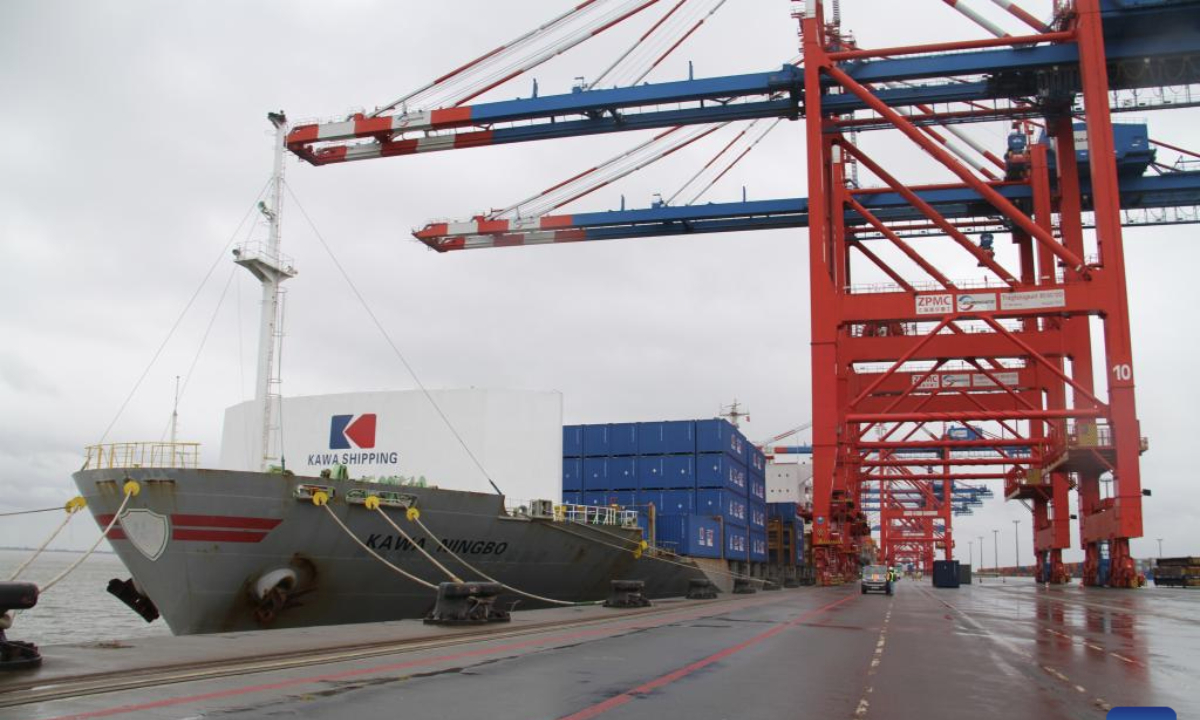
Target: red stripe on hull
x=225 y=521
x=237 y=536
x=203 y=528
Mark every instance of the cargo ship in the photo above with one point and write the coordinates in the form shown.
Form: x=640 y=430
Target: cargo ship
x=216 y=550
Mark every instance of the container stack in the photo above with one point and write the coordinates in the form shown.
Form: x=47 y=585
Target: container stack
x=756 y=469
x=785 y=534
x=705 y=480
x=1177 y=572
x=945 y=574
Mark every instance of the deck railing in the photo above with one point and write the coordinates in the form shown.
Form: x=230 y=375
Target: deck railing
x=596 y=515
x=143 y=455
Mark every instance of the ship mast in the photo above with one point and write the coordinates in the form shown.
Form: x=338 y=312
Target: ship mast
x=271 y=268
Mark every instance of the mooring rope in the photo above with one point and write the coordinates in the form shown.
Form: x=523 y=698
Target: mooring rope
x=73 y=506
x=131 y=488
x=30 y=512
x=652 y=556
x=320 y=499
x=372 y=503
x=416 y=517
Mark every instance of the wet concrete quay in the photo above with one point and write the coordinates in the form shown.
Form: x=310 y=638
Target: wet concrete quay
x=996 y=650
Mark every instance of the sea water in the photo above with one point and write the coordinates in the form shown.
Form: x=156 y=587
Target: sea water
x=78 y=609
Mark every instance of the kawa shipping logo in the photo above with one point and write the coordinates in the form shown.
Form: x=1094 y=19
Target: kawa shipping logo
x=356 y=435
x=347 y=432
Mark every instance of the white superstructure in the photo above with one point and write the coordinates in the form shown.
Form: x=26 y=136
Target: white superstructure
x=515 y=434
x=789 y=482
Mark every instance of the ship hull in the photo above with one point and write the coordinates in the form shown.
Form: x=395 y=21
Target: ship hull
x=199 y=544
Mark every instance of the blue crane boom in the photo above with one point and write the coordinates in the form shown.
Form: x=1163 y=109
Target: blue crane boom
x=1141 y=54
x=1143 y=192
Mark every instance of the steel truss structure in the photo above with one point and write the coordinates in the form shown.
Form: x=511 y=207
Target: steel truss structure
x=922 y=384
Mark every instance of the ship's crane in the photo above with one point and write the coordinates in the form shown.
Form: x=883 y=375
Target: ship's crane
x=918 y=353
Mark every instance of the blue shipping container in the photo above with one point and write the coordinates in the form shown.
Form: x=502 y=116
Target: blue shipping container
x=673 y=437
x=572 y=441
x=650 y=472
x=645 y=498
x=758 y=488
x=595 y=474
x=720 y=471
x=719 y=436
x=757 y=461
x=622 y=439
x=758 y=516
x=758 y=546
x=572 y=498
x=737 y=543
x=679 y=472
x=667 y=472
x=689 y=535
x=572 y=479
x=786 y=511
x=595 y=441
x=726 y=503
x=622 y=473
x=677 y=502
x=624 y=498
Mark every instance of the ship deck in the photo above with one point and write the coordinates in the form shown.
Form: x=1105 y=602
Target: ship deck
x=991 y=650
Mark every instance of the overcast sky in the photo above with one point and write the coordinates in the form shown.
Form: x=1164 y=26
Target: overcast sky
x=133 y=140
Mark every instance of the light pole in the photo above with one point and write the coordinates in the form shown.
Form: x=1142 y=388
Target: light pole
x=1159 y=546
x=996 y=549
x=1017 y=547
x=981 y=557
x=971 y=553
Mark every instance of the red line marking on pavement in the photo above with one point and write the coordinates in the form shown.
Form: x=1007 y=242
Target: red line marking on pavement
x=245 y=690
x=664 y=680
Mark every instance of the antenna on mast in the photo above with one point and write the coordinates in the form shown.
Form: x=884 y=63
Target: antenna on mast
x=271 y=268
x=175 y=413
x=734 y=414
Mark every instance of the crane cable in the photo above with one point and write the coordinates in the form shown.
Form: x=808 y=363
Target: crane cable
x=476 y=83
x=518 y=207
x=641 y=56
x=391 y=343
x=73 y=506
x=753 y=144
x=619 y=169
x=680 y=41
x=509 y=46
x=637 y=43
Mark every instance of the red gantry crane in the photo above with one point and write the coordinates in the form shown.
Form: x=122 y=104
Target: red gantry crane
x=924 y=381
